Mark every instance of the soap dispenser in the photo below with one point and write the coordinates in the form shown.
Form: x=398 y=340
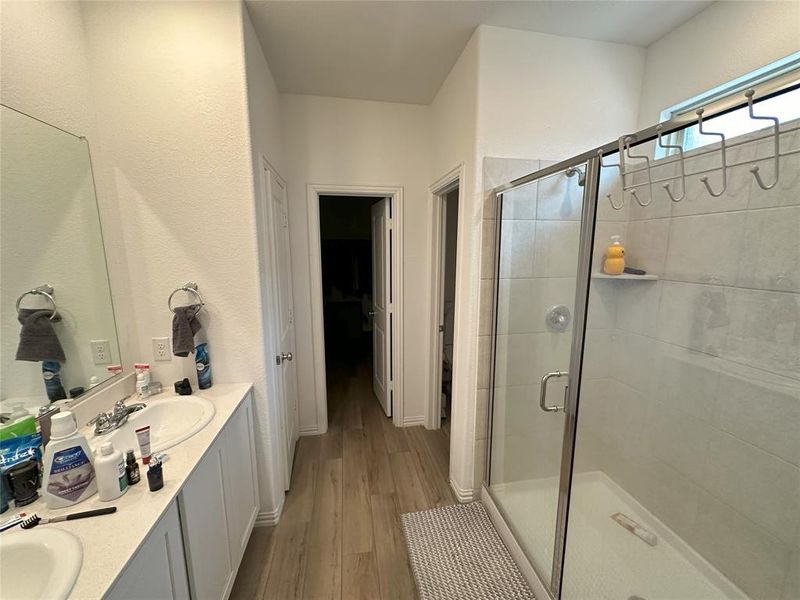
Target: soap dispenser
x=614 y=263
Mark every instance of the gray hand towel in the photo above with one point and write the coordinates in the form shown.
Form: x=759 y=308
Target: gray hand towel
x=37 y=338
x=184 y=326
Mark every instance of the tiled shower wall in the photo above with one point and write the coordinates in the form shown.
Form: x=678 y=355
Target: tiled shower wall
x=698 y=415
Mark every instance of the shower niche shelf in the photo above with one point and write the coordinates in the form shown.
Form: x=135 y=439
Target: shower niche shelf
x=626 y=277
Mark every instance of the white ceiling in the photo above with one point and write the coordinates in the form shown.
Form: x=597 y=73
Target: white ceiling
x=401 y=51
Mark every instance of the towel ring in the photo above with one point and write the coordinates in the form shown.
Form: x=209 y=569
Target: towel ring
x=190 y=287
x=45 y=290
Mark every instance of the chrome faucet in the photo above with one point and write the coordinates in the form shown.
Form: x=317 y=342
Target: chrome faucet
x=105 y=422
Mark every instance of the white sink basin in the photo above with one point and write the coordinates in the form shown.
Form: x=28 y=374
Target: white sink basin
x=39 y=563
x=172 y=420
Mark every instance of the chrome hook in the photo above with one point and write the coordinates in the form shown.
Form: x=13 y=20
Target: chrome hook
x=679 y=149
x=619 y=167
x=777 y=142
x=699 y=112
x=626 y=151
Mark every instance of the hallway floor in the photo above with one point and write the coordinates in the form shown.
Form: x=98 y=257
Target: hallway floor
x=340 y=535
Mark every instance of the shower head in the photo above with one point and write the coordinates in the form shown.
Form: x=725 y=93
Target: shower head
x=572 y=171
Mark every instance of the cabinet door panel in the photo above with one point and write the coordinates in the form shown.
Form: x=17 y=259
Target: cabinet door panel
x=241 y=479
x=205 y=529
x=158 y=570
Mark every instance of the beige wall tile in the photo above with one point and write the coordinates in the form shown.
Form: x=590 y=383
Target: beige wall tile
x=744 y=552
x=770 y=257
x=705 y=248
x=756 y=484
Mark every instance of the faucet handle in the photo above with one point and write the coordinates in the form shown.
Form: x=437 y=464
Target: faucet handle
x=99 y=419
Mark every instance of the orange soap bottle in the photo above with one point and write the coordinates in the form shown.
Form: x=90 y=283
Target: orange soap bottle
x=614 y=263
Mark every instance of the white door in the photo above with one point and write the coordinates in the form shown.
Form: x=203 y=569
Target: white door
x=381 y=304
x=284 y=371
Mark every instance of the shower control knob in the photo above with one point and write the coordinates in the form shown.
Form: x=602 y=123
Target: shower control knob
x=558 y=318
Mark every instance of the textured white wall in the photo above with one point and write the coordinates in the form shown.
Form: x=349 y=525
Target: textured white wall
x=45 y=69
x=358 y=142
x=454 y=143
x=550 y=96
x=726 y=40
x=169 y=83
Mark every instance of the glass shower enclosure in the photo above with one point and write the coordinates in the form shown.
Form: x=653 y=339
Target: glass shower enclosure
x=645 y=427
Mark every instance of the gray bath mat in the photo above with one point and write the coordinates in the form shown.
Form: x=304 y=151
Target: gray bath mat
x=456 y=553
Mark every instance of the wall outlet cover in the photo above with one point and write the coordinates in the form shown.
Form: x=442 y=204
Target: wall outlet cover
x=161 y=349
x=101 y=352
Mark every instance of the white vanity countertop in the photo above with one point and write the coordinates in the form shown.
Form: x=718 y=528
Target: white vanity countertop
x=110 y=541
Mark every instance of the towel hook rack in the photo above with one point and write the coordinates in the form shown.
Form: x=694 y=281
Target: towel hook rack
x=699 y=112
x=191 y=288
x=45 y=290
x=619 y=168
x=679 y=149
x=776 y=140
x=625 y=152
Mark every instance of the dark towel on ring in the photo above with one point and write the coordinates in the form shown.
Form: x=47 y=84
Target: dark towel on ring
x=184 y=326
x=37 y=338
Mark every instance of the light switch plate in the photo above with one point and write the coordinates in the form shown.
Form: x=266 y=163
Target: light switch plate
x=161 y=350
x=101 y=352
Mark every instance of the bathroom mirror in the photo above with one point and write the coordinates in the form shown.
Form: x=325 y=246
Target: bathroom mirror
x=52 y=268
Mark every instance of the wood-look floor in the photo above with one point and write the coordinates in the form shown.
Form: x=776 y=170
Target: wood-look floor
x=340 y=535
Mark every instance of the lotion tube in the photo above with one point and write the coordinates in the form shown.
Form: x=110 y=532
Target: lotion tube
x=143 y=437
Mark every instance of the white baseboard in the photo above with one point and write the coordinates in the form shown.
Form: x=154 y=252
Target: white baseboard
x=413 y=421
x=309 y=430
x=464 y=495
x=270 y=518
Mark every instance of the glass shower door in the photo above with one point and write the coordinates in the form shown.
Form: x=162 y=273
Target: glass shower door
x=542 y=266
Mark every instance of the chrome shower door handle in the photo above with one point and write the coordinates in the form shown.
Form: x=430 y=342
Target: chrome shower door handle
x=543 y=391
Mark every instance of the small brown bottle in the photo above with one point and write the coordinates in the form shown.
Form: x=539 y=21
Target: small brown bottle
x=132 y=468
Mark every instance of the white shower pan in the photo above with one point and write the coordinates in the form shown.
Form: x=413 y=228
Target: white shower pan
x=605 y=561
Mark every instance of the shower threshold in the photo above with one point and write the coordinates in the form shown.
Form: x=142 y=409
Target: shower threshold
x=603 y=560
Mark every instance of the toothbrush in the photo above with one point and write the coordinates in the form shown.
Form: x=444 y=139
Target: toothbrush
x=35 y=520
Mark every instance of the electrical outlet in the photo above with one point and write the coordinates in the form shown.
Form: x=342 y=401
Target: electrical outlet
x=161 y=348
x=101 y=352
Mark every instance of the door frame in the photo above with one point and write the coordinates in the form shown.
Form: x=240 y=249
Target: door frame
x=267 y=270
x=440 y=188
x=313 y=192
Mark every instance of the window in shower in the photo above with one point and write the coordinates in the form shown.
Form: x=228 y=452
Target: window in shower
x=786 y=107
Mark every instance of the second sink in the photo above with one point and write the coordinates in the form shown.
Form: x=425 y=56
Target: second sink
x=172 y=420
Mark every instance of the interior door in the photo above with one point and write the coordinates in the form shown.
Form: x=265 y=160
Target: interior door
x=283 y=314
x=381 y=304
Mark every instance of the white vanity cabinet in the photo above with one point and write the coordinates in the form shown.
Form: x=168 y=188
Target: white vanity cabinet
x=195 y=549
x=219 y=504
x=158 y=569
